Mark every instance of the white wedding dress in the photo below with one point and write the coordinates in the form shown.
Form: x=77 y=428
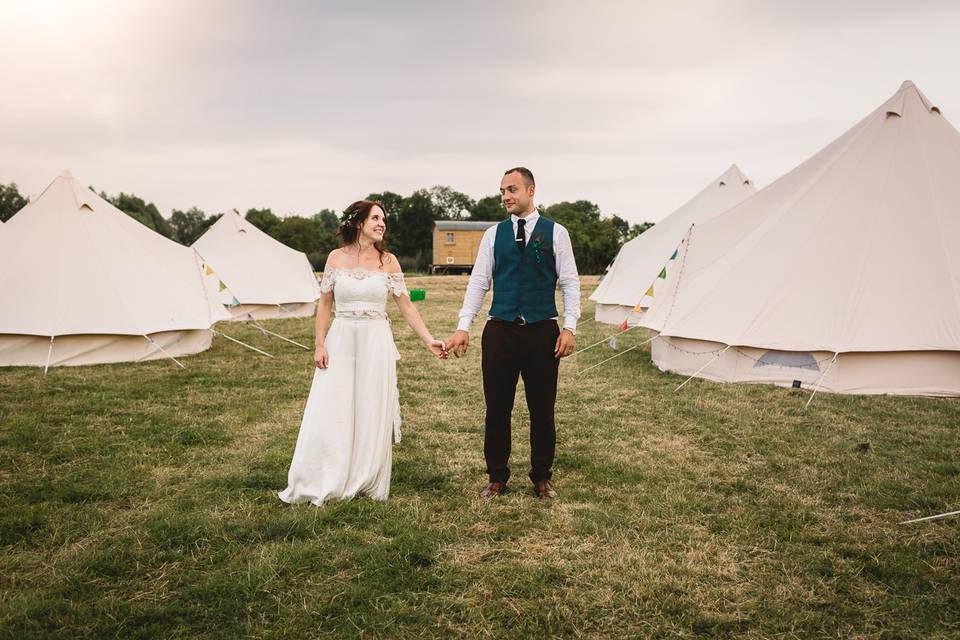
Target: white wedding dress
x=344 y=443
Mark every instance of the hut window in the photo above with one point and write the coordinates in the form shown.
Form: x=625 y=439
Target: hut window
x=449 y=237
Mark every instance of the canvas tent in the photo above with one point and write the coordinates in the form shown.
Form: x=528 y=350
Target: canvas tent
x=258 y=277
x=843 y=275
x=624 y=291
x=82 y=283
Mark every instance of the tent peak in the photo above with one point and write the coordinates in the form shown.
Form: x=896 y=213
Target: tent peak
x=66 y=174
x=733 y=175
x=908 y=91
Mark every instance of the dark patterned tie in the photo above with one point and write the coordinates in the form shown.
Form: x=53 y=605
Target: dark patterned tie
x=521 y=237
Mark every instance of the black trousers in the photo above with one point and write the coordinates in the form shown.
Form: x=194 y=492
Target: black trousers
x=511 y=350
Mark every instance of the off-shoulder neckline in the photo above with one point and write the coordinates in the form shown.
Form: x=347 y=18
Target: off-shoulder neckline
x=353 y=269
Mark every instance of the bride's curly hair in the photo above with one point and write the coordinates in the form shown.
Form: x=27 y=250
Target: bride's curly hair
x=353 y=218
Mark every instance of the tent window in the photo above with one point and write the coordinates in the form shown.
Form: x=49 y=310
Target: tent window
x=791 y=359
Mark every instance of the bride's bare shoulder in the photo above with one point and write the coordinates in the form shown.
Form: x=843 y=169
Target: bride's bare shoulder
x=390 y=263
x=335 y=259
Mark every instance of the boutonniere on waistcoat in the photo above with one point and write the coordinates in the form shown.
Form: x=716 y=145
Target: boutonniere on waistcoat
x=537 y=241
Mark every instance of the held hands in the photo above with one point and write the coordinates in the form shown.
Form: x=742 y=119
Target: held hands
x=320 y=358
x=564 y=346
x=457 y=343
x=436 y=347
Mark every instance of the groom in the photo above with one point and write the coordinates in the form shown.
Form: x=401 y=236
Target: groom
x=526 y=256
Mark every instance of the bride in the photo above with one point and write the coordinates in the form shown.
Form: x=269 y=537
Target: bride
x=344 y=444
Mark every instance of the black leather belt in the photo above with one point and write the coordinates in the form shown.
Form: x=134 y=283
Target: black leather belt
x=518 y=321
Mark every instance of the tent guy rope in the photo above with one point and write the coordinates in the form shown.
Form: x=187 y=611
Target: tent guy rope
x=243 y=344
x=712 y=360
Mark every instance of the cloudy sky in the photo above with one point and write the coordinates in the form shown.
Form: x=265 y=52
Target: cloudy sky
x=300 y=105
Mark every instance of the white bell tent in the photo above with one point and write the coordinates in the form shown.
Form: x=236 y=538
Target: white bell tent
x=634 y=279
x=258 y=277
x=842 y=276
x=81 y=283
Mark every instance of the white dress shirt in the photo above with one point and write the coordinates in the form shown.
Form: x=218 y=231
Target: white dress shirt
x=481 y=276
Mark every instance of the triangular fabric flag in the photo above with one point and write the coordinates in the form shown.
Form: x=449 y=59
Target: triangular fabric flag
x=663 y=273
x=637 y=309
x=208 y=271
x=234 y=302
x=649 y=291
x=674 y=256
x=612 y=342
x=222 y=286
x=623 y=325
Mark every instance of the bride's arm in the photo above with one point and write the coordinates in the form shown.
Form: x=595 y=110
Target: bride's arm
x=322 y=321
x=324 y=305
x=412 y=316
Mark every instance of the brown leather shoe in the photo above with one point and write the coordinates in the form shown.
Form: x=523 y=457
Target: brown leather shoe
x=544 y=489
x=493 y=490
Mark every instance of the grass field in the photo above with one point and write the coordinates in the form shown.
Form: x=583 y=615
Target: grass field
x=138 y=501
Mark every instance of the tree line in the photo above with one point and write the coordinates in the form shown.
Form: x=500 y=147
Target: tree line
x=596 y=237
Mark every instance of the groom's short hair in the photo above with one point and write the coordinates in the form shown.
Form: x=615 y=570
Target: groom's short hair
x=523 y=171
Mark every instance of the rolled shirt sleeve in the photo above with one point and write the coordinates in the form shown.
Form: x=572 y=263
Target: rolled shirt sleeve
x=567 y=277
x=481 y=277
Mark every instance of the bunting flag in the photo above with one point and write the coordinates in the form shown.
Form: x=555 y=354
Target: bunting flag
x=222 y=286
x=637 y=309
x=208 y=271
x=649 y=291
x=623 y=325
x=663 y=274
x=674 y=256
x=612 y=342
x=234 y=302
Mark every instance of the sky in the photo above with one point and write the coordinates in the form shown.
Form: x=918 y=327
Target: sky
x=300 y=106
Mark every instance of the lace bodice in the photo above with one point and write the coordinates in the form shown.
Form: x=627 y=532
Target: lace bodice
x=359 y=292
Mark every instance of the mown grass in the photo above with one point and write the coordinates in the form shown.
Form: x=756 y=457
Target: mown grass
x=138 y=501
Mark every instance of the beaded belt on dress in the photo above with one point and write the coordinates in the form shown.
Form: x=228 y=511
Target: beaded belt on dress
x=362 y=314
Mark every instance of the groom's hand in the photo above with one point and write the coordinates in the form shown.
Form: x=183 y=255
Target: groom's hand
x=564 y=346
x=458 y=342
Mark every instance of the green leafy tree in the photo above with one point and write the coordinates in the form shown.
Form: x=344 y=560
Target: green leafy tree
x=637 y=229
x=190 y=224
x=327 y=224
x=450 y=204
x=328 y=221
x=146 y=213
x=263 y=219
x=10 y=201
x=412 y=237
x=488 y=208
x=595 y=239
x=297 y=233
x=581 y=209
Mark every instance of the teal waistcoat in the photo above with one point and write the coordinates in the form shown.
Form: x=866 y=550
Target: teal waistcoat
x=524 y=282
